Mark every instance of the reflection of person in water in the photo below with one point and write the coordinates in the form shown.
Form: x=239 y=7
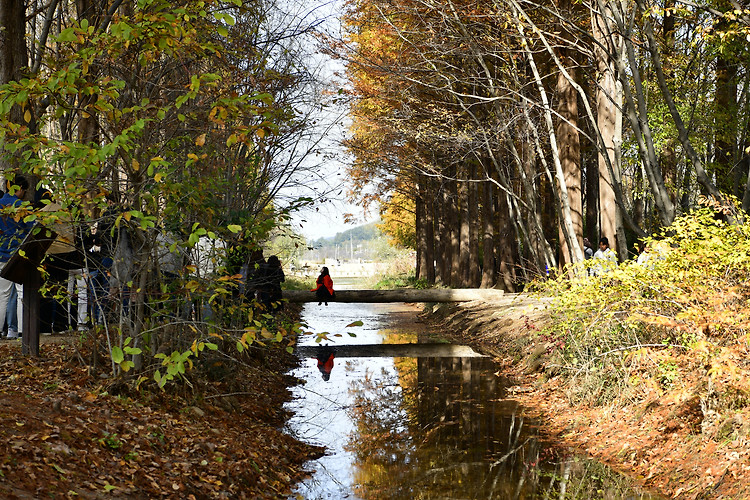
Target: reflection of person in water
x=325 y=361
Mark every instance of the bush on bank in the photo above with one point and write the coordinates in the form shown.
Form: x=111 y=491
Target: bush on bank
x=676 y=324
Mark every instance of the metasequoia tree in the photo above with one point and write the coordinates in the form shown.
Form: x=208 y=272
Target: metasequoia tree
x=520 y=89
x=468 y=113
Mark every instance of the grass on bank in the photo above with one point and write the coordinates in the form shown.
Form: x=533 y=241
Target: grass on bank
x=674 y=327
x=399 y=274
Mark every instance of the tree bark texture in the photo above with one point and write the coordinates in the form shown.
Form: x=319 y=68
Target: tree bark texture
x=474 y=230
x=13 y=63
x=569 y=150
x=465 y=233
x=488 y=234
x=453 y=226
x=429 y=230
x=609 y=122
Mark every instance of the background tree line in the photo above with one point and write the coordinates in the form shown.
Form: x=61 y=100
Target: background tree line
x=510 y=130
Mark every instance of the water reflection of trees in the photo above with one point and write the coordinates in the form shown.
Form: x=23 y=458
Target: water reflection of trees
x=441 y=428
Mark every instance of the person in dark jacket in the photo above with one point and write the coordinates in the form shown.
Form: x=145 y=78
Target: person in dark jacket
x=324 y=290
x=12 y=234
x=588 y=250
x=268 y=281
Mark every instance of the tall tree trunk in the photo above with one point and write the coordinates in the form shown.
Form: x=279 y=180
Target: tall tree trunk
x=488 y=234
x=554 y=172
x=609 y=122
x=428 y=199
x=668 y=152
x=13 y=62
x=474 y=225
x=421 y=240
x=569 y=151
x=505 y=245
x=464 y=233
x=88 y=125
x=725 y=122
x=592 y=201
x=453 y=225
x=442 y=236
x=13 y=53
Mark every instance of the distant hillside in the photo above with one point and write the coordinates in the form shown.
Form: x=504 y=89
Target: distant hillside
x=356 y=234
x=364 y=242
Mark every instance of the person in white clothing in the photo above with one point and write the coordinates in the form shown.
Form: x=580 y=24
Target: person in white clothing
x=605 y=257
x=78 y=283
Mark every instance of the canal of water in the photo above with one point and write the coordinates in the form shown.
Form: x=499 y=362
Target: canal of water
x=405 y=415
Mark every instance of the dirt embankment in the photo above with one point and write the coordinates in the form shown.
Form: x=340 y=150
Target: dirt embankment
x=665 y=440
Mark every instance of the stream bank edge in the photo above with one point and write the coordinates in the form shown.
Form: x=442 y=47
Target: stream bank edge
x=645 y=439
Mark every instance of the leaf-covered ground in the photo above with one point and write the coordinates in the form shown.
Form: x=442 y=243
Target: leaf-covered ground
x=66 y=433
x=686 y=439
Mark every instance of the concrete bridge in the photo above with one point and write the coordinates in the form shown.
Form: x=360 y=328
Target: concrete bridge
x=403 y=295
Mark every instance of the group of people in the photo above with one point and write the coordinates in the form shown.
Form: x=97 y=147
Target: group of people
x=77 y=260
x=265 y=284
x=606 y=257
x=84 y=269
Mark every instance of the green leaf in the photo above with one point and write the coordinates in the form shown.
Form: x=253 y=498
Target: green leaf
x=117 y=355
x=67 y=35
x=212 y=346
x=235 y=228
x=356 y=323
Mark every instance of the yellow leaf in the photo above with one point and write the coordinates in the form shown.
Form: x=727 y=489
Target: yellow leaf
x=27 y=116
x=136 y=166
x=201 y=140
x=158 y=177
x=260 y=133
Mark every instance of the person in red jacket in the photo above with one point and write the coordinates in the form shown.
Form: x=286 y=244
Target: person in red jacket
x=324 y=291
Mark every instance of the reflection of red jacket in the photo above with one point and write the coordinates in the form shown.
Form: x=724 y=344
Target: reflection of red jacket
x=327 y=365
x=327 y=282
